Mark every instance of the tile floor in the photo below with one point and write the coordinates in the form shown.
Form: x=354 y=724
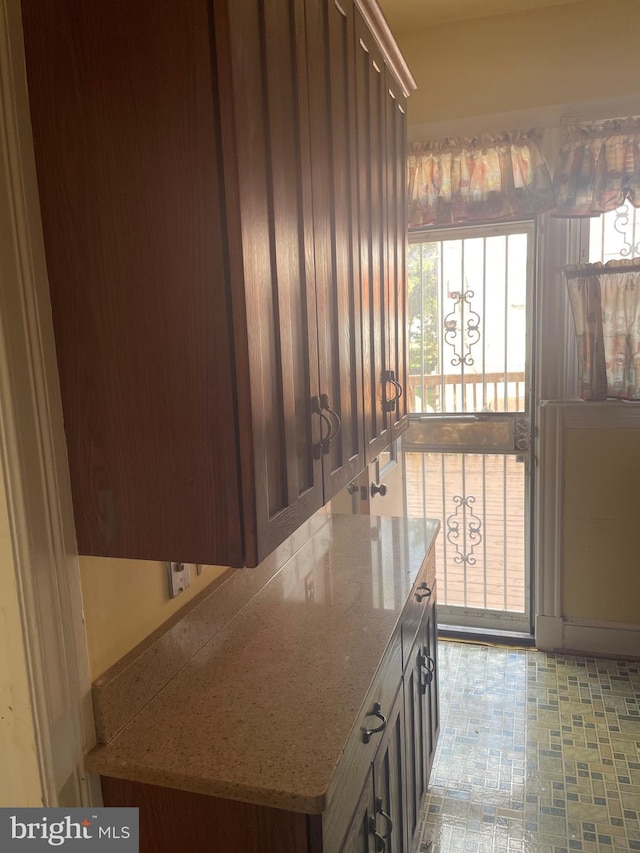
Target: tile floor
x=537 y=753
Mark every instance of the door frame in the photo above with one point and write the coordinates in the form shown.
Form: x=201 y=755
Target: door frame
x=48 y=676
x=468 y=617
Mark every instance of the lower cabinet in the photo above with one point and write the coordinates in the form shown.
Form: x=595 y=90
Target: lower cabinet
x=390 y=784
x=422 y=714
x=376 y=795
x=361 y=834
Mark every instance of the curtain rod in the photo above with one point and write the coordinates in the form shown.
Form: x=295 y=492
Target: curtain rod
x=616 y=266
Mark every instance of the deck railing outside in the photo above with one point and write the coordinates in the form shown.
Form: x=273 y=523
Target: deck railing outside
x=453 y=393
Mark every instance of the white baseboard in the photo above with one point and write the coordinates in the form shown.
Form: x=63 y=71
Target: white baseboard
x=553 y=633
x=549 y=633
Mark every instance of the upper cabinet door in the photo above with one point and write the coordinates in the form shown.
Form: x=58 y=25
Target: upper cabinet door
x=396 y=153
x=125 y=121
x=215 y=182
x=330 y=41
x=272 y=265
x=374 y=245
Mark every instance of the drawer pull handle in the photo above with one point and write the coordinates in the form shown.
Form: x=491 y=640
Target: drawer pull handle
x=387 y=817
x=366 y=734
x=381 y=844
x=425 y=593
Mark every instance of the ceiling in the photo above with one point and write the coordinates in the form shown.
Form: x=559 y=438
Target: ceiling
x=406 y=15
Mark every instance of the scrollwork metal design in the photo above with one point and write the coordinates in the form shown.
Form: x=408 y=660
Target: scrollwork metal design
x=464 y=528
x=630 y=248
x=469 y=329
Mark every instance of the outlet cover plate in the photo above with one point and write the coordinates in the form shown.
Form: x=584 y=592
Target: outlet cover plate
x=179 y=577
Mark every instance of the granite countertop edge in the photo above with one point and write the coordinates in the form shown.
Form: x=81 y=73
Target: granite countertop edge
x=130 y=756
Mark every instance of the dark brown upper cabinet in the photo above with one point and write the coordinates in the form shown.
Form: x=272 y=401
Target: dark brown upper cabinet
x=381 y=116
x=199 y=170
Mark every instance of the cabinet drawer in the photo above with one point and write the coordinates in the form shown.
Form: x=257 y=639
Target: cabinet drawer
x=360 y=750
x=416 y=605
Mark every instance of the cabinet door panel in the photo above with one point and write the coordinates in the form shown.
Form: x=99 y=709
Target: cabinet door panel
x=333 y=152
x=360 y=837
x=432 y=711
x=422 y=713
x=396 y=146
x=389 y=777
x=372 y=188
x=126 y=134
x=417 y=739
x=268 y=69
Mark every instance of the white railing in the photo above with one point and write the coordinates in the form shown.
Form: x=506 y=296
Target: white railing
x=450 y=394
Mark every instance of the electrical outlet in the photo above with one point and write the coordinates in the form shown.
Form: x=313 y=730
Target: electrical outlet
x=179 y=577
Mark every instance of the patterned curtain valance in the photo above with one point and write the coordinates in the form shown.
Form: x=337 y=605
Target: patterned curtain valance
x=480 y=179
x=598 y=168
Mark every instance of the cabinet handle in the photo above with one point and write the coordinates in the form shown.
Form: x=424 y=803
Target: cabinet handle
x=324 y=404
x=425 y=594
x=381 y=845
x=366 y=734
x=426 y=661
x=390 y=376
x=323 y=444
x=429 y=662
x=387 y=817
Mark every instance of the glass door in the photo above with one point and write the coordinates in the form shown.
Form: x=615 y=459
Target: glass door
x=467 y=453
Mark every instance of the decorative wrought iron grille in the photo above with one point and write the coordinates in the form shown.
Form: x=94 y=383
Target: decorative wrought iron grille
x=615 y=235
x=480 y=498
x=467 y=324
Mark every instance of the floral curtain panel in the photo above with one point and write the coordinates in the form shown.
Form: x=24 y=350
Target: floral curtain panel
x=605 y=300
x=480 y=179
x=598 y=168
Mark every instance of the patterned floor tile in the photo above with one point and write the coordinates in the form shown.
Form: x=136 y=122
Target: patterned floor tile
x=538 y=753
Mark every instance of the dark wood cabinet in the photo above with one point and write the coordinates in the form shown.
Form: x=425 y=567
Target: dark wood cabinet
x=331 y=63
x=389 y=782
x=381 y=115
x=199 y=169
x=397 y=296
x=361 y=835
x=422 y=714
x=379 y=817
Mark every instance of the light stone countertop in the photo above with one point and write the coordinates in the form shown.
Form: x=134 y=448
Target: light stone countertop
x=263 y=712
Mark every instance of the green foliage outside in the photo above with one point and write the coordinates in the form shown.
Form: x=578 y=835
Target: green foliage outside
x=423 y=316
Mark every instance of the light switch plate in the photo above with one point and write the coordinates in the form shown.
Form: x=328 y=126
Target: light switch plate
x=179 y=577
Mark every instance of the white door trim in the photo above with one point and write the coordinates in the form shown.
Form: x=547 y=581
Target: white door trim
x=43 y=580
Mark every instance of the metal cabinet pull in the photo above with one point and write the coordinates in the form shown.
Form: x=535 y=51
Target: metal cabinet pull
x=426 y=591
x=324 y=443
x=337 y=426
x=429 y=662
x=387 y=817
x=366 y=733
x=425 y=661
x=390 y=404
x=381 y=844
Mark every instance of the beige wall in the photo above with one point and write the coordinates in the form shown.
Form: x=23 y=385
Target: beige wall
x=601 y=565
x=557 y=55
x=125 y=600
x=20 y=783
